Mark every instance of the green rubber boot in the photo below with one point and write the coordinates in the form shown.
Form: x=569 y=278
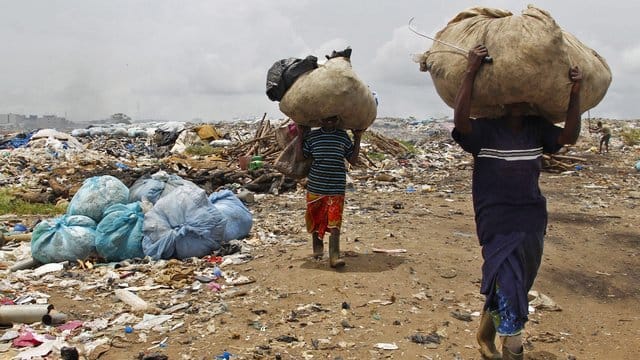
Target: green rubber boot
x=486 y=337
x=334 y=250
x=509 y=355
x=318 y=246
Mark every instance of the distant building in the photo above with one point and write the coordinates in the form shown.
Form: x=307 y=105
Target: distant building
x=6 y=120
x=32 y=122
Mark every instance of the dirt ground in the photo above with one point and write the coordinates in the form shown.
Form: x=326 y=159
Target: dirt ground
x=300 y=308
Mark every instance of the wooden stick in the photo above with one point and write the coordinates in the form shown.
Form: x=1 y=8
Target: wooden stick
x=18 y=237
x=257 y=135
x=566 y=157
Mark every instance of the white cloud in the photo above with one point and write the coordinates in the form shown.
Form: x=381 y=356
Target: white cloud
x=209 y=58
x=631 y=58
x=393 y=61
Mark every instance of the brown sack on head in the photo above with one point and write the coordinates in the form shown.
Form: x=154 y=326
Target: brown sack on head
x=333 y=89
x=531 y=55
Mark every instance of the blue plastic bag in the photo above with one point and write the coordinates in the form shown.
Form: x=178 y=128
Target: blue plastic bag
x=96 y=195
x=239 y=218
x=182 y=224
x=67 y=238
x=146 y=188
x=19 y=228
x=156 y=186
x=174 y=182
x=119 y=233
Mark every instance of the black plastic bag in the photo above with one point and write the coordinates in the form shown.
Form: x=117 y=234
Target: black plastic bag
x=164 y=138
x=283 y=73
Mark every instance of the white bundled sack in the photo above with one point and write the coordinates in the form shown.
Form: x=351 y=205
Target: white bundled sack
x=531 y=55
x=333 y=89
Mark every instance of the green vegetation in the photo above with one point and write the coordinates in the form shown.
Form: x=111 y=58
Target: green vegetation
x=631 y=137
x=367 y=136
x=409 y=145
x=376 y=156
x=11 y=204
x=201 y=150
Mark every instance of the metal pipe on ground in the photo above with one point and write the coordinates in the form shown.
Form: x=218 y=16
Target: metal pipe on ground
x=24 y=314
x=54 y=318
x=25 y=264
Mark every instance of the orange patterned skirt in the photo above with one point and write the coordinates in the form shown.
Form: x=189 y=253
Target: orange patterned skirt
x=323 y=212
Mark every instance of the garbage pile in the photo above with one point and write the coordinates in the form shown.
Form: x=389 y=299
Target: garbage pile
x=165 y=275
x=51 y=166
x=34 y=328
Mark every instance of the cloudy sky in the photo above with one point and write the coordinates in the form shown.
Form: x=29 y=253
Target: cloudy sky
x=208 y=59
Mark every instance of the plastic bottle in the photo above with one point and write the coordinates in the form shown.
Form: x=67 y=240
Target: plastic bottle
x=256 y=164
x=224 y=356
x=217 y=272
x=131 y=299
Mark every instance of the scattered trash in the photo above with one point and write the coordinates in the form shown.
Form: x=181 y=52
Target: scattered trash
x=386 y=346
x=19 y=228
x=71 y=325
x=152 y=356
x=69 y=353
x=217 y=272
x=224 y=356
x=131 y=299
x=541 y=301
x=432 y=338
x=172 y=298
x=460 y=315
x=287 y=338
x=149 y=321
x=389 y=251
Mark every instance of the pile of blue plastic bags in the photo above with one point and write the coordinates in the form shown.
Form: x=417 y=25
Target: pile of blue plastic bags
x=161 y=216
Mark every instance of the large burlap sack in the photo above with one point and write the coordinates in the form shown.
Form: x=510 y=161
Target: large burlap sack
x=531 y=54
x=333 y=89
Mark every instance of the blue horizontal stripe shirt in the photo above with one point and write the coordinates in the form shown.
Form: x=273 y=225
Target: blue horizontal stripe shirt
x=329 y=149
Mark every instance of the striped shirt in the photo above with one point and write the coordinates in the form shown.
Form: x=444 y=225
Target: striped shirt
x=506 y=194
x=329 y=149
